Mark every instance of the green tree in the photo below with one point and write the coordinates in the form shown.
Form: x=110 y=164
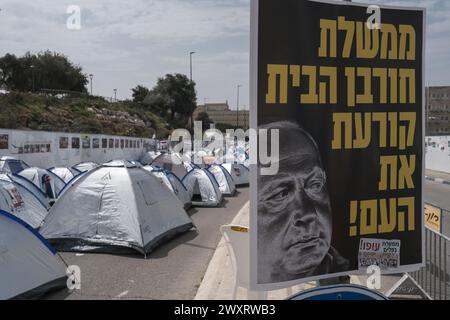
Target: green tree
x=205 y=119
x=140 y=94
x=45 y=70
x=174 y=98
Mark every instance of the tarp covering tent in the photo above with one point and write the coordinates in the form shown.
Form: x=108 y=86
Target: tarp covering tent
x=239 y=173
x=47 y=181
x=174 y=183
x=203 y=188
x=12 y=165
x=224 y=179
x=66 y=174
x=114 y=208
x=29 y=266
x=21 y=202
x=180 y=167
x=86 y=166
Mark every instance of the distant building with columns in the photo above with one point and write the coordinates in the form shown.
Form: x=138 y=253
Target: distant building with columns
x=221 y=113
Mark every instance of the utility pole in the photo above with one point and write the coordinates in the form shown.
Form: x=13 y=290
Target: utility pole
x=237 y=106
x=115 y=95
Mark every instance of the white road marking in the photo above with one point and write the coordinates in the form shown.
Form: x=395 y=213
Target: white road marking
x=123 y=294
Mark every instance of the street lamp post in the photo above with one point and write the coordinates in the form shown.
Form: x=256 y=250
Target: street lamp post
x=237 y=106
x=190 y=59
x=91 y=76
x=190 y=78
x=32 y=77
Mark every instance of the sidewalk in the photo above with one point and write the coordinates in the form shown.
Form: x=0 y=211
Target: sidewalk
x=437 y=176
x=218 y=281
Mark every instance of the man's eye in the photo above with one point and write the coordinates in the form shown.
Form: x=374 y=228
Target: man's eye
x=315 y=186
x=280 y=195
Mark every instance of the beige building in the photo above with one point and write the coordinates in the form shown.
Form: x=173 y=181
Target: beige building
x=438 y=111
x=221 y=113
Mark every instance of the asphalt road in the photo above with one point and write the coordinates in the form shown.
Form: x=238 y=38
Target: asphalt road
x=174 y=271
x=438 y=194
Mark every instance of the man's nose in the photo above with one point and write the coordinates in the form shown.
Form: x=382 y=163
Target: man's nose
x=304 y=213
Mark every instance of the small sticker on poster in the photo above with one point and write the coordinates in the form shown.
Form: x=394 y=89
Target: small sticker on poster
x=382 y=253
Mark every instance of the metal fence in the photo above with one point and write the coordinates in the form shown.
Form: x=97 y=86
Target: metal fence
x=434 y=278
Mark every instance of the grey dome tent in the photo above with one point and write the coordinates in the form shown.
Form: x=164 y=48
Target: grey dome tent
x=224 y=179
x=21 y=202
x=48 y=182
x=85 y=166
x=12 y=165
x=239 y=173
x=149 y=157
x=127 y=163
x=179 y=167
x=30 y=186
x=115 y=208
x=172 y=182
x=29 y=266
x=66 y=174
x=203 y=188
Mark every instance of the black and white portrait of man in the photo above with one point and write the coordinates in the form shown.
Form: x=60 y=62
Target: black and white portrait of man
x=294 y=213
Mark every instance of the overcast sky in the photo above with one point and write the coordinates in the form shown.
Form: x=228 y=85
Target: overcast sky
x=126 y=43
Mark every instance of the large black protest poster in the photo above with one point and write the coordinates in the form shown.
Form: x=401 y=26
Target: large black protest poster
x=344 y=97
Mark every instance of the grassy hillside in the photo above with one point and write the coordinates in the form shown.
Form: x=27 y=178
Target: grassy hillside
x=78 y=114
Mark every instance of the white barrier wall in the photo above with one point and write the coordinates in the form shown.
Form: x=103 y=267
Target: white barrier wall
x=438 y=153
x=50 y=149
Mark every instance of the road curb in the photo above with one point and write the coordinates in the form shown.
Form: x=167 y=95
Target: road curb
x=438 y=180
x=218 y=280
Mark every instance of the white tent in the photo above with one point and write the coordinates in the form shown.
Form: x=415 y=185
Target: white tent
x=21 y=202
x=203 y=188
x=224 y=179
x=112 y=208
x=239 y=173
x=12 y=165
x=86 y=166
x=29 y=266
x=172 y=182
x=47 y=181
x=179 y=167
x=66 y=174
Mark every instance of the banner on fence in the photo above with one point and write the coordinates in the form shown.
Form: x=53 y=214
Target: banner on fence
x=433 y=218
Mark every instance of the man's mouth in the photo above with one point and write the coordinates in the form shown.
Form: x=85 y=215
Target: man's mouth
x=303 y=242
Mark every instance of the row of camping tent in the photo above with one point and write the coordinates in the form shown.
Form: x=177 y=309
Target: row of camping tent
x=114 y=207
x=192 y=184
